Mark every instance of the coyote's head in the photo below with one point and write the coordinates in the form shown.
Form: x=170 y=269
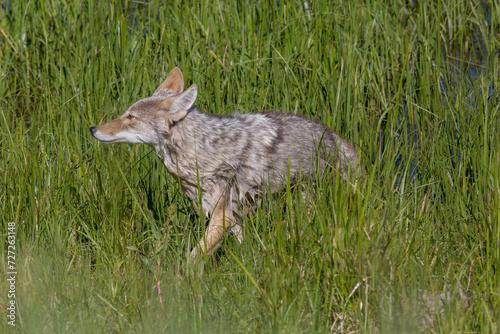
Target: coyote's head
x=149 y=120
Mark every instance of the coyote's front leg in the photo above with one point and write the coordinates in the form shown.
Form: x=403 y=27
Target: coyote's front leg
x=220 y=222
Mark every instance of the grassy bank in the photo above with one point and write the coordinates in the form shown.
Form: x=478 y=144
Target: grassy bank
x=103 y=233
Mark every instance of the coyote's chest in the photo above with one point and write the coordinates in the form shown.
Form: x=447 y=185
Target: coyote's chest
x=184 y=171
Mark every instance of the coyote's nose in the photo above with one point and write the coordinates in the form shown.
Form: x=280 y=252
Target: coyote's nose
x=93 y=130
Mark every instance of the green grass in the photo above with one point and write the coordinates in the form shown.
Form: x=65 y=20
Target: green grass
x=103 y=233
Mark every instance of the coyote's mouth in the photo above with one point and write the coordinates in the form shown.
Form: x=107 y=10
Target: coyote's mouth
x=100 y=137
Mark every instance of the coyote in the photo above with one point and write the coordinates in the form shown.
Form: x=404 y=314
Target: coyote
x=231 y=159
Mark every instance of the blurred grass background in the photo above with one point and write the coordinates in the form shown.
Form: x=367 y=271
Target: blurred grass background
x=103 y=233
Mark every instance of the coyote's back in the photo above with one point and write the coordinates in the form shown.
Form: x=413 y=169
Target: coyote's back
x=231 y=159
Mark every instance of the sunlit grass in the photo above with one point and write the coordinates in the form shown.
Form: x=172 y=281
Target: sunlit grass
x=104 y=233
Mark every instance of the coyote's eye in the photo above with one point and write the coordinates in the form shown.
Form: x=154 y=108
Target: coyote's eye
x=130 y=116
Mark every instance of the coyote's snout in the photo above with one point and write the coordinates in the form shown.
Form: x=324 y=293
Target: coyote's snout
x=230 y=159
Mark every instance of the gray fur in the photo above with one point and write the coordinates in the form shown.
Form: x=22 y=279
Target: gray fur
x=248 y=153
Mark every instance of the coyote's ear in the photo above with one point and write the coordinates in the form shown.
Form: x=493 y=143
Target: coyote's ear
x=174 y=82
x=178 y=106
